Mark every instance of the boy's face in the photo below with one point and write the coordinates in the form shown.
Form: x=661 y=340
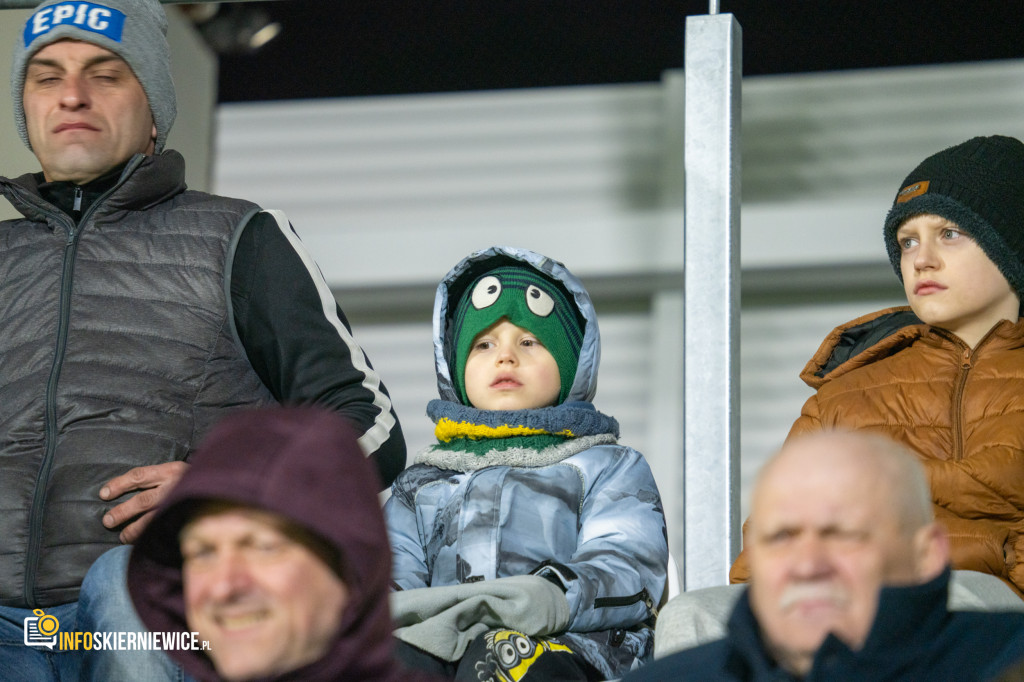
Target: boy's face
x=509 y=369
x=950 y=281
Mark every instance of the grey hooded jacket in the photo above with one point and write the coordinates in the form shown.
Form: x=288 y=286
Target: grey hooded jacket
x=589 y=517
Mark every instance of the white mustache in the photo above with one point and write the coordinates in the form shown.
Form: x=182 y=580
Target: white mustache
x=801 y=592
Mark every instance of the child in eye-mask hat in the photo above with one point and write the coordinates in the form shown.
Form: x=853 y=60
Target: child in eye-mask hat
x=526 y=538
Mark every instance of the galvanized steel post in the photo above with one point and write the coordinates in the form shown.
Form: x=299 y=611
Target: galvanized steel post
x=712 y=68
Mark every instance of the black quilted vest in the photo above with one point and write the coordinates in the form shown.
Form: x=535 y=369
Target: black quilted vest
x=116 y=351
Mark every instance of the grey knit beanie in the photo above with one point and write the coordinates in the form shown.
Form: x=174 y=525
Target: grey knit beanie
x=135 y=30
x=977 y=184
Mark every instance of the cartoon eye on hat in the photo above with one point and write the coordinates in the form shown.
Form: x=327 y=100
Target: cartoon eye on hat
x=538 y=301
x=486 y=292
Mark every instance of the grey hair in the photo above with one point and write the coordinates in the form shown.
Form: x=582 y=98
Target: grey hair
x=907 y=478
x=900 y=466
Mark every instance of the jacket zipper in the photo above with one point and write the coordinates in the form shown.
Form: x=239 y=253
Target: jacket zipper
x=958 y=399
x=641 y=596
x=50 y=425
x=957 y=416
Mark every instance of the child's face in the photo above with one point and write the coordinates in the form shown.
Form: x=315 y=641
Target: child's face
x=508 y=369
x=949 y=280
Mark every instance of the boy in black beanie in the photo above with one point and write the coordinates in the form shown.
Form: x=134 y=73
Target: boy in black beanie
x=945 y=375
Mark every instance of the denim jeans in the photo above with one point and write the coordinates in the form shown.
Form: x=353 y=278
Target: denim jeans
x=103 y=606
x=21 y=662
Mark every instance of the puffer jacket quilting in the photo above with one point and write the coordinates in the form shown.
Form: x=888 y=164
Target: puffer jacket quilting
x=117 y=352
x=960 y=409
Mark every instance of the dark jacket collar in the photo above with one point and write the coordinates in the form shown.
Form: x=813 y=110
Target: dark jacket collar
x=143 y=182
x=883 y=333
x=74 y=199
x=905 y=614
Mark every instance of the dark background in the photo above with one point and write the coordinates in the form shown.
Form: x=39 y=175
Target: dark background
x=337 y=48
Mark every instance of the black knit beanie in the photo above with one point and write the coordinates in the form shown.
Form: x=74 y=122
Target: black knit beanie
x=979 y=185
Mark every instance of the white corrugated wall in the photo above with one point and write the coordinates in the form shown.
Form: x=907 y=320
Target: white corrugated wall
x=390 y=192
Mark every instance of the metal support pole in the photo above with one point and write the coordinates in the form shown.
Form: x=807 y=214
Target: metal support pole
x=713 y=65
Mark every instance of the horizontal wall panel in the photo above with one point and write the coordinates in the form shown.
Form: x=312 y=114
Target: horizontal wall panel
x=565 y=171
x=862 y=131
x=392 y=190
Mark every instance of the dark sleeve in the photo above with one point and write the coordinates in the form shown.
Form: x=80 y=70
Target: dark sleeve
x=299 y=342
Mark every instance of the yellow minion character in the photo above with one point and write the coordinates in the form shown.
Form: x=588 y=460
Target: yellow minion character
x=515 y=652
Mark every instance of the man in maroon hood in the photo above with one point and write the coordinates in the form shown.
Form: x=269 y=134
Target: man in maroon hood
x=272 y=549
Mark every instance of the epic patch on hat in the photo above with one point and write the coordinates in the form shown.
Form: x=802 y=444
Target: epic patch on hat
x=88 y=16
x=911 y=191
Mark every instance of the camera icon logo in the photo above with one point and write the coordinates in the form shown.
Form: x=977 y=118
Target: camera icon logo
x=41 y=630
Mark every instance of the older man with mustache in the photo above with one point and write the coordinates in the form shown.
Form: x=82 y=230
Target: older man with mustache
x=849 y=578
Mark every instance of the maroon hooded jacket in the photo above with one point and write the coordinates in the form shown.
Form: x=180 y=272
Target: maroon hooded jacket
x=304 y=464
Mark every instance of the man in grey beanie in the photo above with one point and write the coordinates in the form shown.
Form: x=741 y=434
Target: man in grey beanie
x=133 y=314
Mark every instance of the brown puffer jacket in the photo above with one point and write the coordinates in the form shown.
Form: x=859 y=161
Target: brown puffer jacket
x=961 y=410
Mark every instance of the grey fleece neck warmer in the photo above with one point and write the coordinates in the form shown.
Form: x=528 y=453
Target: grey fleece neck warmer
x=135 y=30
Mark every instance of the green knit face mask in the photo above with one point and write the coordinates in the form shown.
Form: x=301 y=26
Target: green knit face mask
x=528 y=300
